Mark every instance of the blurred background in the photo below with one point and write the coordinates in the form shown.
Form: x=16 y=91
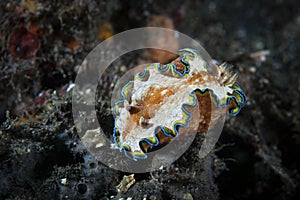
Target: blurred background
x=42 y=45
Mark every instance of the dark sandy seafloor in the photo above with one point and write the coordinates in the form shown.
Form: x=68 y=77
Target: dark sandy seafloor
x=44 y=42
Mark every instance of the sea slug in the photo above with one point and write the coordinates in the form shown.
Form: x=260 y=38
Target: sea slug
x=157 y=102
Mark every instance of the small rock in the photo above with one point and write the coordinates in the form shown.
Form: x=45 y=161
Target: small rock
x=126 y=183
x=63 y=181
x=187 y=196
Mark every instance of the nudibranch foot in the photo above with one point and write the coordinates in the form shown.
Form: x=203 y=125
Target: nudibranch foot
x=157 y=102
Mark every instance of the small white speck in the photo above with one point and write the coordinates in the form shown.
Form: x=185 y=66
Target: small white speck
x=252 y=69
x=263 y=58
x=164 y=92
x=99 y=145
x=113 y=146
x=63 y=181
x=123 y=68
x=70 y=87
x=88 y=91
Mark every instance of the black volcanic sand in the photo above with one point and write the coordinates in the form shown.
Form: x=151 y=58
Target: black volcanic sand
x=44 y=42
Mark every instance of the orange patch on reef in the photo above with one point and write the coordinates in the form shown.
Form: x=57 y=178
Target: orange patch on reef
x=33 y=28
x=28 y=118
x=105 y=31
x=73 y=44
x=23 y=43
x=30 y=5
x=168 y=39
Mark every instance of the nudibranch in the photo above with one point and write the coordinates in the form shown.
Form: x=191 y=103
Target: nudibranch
x=155 y=104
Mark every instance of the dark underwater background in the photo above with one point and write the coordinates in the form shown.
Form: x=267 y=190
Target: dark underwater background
x=42 y=45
